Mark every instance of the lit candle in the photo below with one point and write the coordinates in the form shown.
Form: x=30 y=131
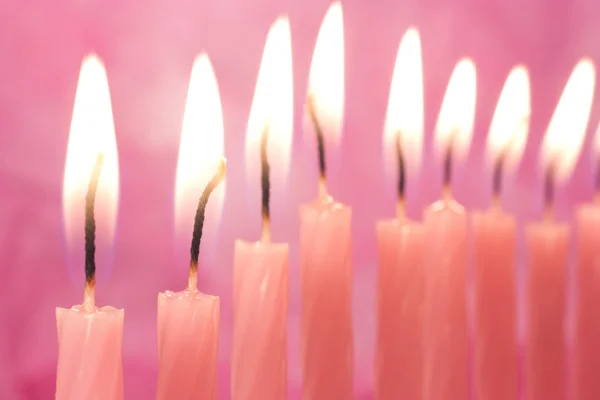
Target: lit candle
x=188 y=321
x=261 y=269
x=325 y=236
x=445 y=335
x=401 y=242
x=494 y=234
x=548 y=242
x=587 y=312
x=90 y=337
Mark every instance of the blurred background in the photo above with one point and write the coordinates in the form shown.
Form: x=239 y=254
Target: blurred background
x=148 y=48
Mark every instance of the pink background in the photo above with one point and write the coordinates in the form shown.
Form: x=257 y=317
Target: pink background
x=148 y=47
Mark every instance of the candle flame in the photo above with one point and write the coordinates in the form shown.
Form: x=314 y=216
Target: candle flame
x=92 y=133
x=200 y=149
x=405 y=106
x=567 y=127
x=510 y=124
x=457 y=115
x=326 y=76
x=272 y=106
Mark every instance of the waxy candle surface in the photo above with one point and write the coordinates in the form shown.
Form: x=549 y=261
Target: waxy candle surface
x=398 y=363
x=326 y=287
x=188 y=341
x=495 y=375
x=587 y=314
x=89 y=354
x=445 y=339
x=260 y=305
x=547 y=245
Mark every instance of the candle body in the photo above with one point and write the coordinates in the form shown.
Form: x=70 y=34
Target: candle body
x=587 y=314
x=445 y=336
x=326 y=288
x=547 y=244
x=494 y=234
x=188 y=342
x=398 y=365
x=89 y=354
x=260 y=306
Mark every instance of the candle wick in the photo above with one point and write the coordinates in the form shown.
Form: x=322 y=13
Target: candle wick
x=199 y=220
x=549 y=191
x=401 y=169
x=497 y=180
x=90 y=236
x=597 y=183
x=447 y=189
x=265 y=184
x=320 y=143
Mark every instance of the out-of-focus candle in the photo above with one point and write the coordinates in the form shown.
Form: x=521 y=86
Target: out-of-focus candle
x=89 y=337
x=494 y=234
x=261 y=269
x=188 y=321
x=587 y=314
x=401 y=242
x=548 y=241
x=325 y=236
x=445 y=335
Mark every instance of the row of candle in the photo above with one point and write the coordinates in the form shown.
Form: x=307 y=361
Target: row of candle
x=422 y=316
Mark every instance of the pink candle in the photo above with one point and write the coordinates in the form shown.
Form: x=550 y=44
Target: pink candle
x=261 y=269
x=587 y=314
x=401 y=242
x=401 y=245
x=325 y=238
x=188 y=321
x=90 y=337
x=548 y=242
x=494 y=234
x=445 y=333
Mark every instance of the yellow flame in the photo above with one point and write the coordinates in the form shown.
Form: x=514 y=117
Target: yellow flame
x=273 y=106
x=510 y=124
x=457 y=115
x=566 y=130
x=92 y=133
x=405 y=105
x=201 y=146
x=326 y=77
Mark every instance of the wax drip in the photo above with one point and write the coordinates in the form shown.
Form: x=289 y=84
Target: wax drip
x=265 y=184
x=320 y=141
x=200 y=215
x=90 y=224
x=549 y=189
x=401 y=174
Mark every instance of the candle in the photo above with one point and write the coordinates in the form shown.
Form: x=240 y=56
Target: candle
x=547 y=242
x=445 y=335
x=188 y=321
x=90 y=337
x=325 y=237
x=261 y=269
x=587 y=313
x=401 y=242
x=494 y=233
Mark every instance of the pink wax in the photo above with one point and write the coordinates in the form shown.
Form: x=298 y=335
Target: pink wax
x=445 y=341
x=398 y=364
x=494 y=234
x=587 y=314
x=326 y=287
x=260 y=307
x=547 y=244
x=188 y=341
x=89 y=354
